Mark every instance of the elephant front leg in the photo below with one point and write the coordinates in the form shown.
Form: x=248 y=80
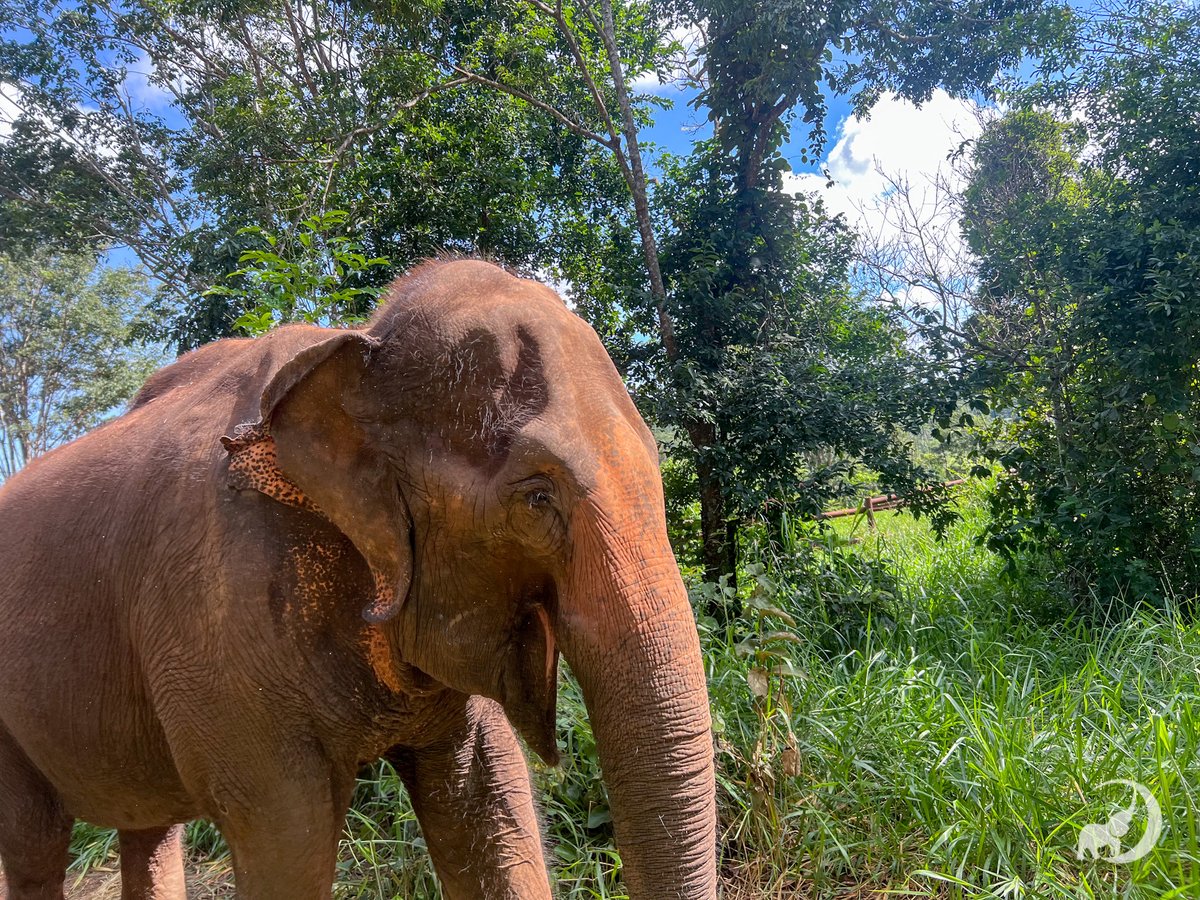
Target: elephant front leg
x=283 y=835
x=152 y=864
x=472 y=797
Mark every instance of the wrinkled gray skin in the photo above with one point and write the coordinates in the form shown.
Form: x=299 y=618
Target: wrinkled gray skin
x=427 y=512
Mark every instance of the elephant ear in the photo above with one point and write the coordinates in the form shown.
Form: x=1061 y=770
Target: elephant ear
x=318 y=448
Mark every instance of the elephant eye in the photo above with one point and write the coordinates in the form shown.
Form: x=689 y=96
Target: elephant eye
x=537 y=491
x=539 y=499
x=535 y=514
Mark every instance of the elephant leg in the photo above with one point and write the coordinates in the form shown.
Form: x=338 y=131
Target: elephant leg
x=472 y=797
x=152 y=864
x=35 y=829
x=284 y=840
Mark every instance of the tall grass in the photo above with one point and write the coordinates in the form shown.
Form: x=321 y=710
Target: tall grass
x=957 y=746
x=896 y=718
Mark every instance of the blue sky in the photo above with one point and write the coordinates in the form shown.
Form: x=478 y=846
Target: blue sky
x=674 y=129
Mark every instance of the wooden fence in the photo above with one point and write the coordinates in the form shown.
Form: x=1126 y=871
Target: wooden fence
x=872 y=505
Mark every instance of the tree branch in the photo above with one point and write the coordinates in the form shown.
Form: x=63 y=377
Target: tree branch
x=637 y=183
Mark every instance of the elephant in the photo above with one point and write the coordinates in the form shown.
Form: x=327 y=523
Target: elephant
x=295 y=553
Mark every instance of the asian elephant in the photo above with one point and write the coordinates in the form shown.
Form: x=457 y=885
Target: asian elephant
x=297 y=552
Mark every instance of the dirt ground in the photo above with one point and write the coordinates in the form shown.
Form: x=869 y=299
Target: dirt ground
x=204 y=882
x=214 y=881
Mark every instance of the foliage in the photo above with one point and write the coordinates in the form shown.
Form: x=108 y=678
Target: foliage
x=764 y=371
x=166 y=127
x=307 y=275
x=785 y=380
x=66 y=355
x=1087 y=338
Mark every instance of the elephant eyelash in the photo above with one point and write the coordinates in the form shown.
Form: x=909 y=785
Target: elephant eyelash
x=539 y=499
x=537 y=491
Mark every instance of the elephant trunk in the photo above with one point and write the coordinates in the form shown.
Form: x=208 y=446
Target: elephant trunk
x=628 y=633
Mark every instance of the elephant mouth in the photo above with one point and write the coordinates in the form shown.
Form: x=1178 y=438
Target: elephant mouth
x=529 y=674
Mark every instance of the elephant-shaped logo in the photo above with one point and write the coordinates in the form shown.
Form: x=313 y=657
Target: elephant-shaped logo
x=1102 y=840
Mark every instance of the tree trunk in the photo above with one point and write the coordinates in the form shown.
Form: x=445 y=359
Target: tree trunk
x=635 y=176
x=718 y=537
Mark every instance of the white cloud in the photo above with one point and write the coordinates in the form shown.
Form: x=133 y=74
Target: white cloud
x=10 y=107
x=896 y=184
x=648 y=83
x=897 y=140
x=143 y=86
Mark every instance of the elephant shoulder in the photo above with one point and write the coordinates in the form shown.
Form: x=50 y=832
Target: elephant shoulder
x=189 y=368
x=234 y=370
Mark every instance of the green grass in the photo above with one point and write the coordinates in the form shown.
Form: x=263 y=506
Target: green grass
x=921 y=726
x=956 y=749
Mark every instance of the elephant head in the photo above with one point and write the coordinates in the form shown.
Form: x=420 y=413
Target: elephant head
x=477 y=446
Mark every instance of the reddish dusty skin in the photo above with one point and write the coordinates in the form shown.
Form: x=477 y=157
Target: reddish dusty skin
x=403 y=527
x=254 y=466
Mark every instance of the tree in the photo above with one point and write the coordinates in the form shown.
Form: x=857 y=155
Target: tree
x=66 y=356
x=753 y=65
x=1087 y=225
x=1019 y=212
x=759 y=63
x=278 y=114
x=915 y=262
x=791 y=379
x=519 y=51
